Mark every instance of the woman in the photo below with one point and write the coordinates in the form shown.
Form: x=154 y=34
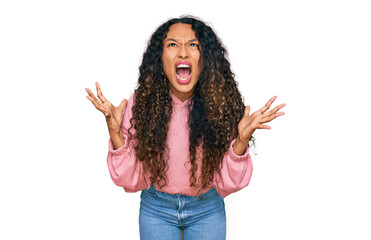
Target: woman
x=183 y=137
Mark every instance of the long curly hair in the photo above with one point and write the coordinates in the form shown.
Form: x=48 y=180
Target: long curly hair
x=215 y=109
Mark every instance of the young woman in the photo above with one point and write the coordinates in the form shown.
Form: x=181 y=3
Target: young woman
x=183 y=137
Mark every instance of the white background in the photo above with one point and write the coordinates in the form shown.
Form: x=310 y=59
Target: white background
x=311 y=176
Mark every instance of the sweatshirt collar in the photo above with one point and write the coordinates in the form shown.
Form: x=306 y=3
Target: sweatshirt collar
x=179 y=103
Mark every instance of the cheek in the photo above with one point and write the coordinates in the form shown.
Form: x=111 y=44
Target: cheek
x=166 y=65
x=197 y=61
x=197 y=70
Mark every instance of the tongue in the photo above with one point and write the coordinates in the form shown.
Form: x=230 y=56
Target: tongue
x=183 y=72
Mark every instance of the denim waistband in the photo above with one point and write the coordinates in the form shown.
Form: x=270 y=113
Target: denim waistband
x=181 y=210
x=205 y=195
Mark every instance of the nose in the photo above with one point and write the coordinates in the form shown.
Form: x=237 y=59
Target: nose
x=183 y=52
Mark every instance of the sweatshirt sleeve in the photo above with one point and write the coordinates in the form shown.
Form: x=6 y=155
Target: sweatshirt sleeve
x=123 y=167
x=235 y=173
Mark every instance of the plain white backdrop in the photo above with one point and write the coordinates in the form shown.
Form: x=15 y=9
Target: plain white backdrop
x=311 y=176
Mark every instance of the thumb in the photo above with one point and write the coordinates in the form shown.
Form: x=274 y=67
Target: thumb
x=247 y=111
x=123 y=105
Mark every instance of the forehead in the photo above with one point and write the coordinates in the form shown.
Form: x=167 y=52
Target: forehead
x=181 y=31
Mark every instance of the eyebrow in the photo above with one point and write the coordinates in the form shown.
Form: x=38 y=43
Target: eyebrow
x=176 y=40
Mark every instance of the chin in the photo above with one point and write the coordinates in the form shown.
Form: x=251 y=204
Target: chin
x=184 y=89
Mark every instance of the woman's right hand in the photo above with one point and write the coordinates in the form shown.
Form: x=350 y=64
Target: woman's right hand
x=114 y=115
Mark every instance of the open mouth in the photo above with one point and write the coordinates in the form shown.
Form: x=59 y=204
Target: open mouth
x=183 y=72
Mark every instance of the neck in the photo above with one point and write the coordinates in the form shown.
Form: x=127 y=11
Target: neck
x=182 y=96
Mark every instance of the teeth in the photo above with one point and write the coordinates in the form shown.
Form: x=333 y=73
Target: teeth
x=182 y=66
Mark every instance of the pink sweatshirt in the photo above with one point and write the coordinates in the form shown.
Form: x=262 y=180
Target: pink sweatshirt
x=127 y=172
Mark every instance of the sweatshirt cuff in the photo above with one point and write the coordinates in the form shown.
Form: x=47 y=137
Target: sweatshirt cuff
x=120 y=150
x=236 y=157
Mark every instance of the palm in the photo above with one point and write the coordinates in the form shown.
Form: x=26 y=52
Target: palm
x=249 y=123
x=114 y=115
x=115 y=118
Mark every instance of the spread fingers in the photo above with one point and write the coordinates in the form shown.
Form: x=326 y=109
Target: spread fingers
x=267 y=105
x=94 y=100
x=99 y=91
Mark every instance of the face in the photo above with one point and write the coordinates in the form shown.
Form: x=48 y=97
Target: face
x=180 y=59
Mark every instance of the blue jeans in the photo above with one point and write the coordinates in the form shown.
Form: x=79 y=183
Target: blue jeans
x=163 y=216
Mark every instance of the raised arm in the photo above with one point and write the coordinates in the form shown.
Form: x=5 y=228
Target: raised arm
x=237 y=165
x=235 y=173
x=125 y=171
x=114 y=115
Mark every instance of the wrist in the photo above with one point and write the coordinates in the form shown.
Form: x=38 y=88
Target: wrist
x=240 y=146
x=243 y=141
x=117 y=138
x=114 y=131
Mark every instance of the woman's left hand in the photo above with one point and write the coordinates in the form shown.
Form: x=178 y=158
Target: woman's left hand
x=249 y=123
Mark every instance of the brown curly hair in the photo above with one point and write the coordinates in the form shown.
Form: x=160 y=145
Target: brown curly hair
x=215 y=109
